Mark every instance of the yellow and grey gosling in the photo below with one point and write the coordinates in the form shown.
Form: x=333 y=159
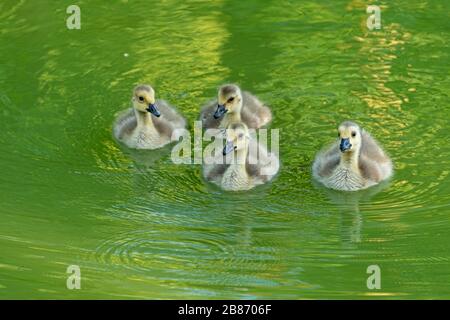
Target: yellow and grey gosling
x=243 y=163
x=150 y=123
x=234 y=106
x=355 y=161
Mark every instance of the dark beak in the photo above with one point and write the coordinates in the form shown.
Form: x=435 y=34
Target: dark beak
x=345 y=145
x=228 y=148
x=153 y=110
x=220 y=111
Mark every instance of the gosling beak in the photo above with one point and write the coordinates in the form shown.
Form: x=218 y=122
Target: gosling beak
x=153 y=110
x=221 y=110
x=228 y=148
x=345 y=145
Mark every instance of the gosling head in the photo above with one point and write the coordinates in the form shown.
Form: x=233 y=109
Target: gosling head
x=349 y=134
x=237 y=138
x=144 y=99
x=229 y=100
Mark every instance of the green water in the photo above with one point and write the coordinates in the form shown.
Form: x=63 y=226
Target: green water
x=139 y=226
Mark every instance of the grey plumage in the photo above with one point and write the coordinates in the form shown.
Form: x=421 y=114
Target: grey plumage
x=169 y=120
x=207 y=115
x=125 y=123
x=253 y=113
x=366 y=166
x=149 y=123
x=260 y=167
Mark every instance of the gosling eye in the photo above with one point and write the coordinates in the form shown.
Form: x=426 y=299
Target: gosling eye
x=141 y=99
x=241 y=135
x=339 y=134
x=353 y=133
x=231 y=99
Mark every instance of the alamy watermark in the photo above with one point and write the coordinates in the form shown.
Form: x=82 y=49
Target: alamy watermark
x=74 y=20
x=74 y=279
x=4 y=99
x=374 y=20
x=374 y=280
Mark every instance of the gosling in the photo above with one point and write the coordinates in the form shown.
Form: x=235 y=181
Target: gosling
x=150 y=123
x=243 y=163
x=234 y=106
x=354 y=162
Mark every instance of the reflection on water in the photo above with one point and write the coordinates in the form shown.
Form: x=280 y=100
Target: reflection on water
x=140 y=226
x=348 y=205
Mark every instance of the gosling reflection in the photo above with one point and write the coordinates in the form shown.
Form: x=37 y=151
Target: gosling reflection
x=144 y=159
x=349 y=206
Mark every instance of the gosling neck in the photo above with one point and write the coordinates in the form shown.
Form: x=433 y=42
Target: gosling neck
x=144 y=118
x=240 y=158
x=235 y=116
x=351 y=159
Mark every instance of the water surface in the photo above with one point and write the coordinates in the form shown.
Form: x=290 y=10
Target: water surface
x=140 y=226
